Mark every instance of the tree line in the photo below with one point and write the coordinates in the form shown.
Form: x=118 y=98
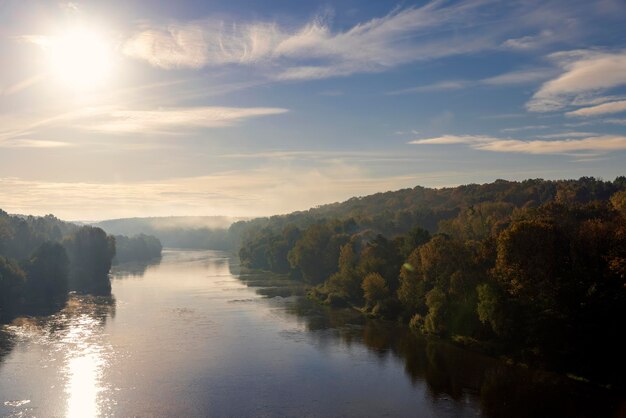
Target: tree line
x=44 y=258
x=139 y=247
x=534 y=270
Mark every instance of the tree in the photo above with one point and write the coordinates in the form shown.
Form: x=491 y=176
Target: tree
x=315 y=254
x=374 y=288
x=90 y=252
x=346 y=283
x=12 y=280
x=47 y=277
x=412 y=290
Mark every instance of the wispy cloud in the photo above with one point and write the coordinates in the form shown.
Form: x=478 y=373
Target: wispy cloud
x=21 y=85
x=519 y=77
x=315 y=50
x=615 y=121
x=32 y=143
x=568 y=135
x=602 y=109
x=506 y=79
x=530 y=41
x=116 y=120
x=525 y=128
x=585 y=72
x=453 y=139
x=592 y=99
x=440 y=86
x=600 y=144
x=164 y=120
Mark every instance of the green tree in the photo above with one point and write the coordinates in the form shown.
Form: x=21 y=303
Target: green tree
x=12 y=280
x=374 y=289
x=47 y=277
x=316 y=253
x=90 y=252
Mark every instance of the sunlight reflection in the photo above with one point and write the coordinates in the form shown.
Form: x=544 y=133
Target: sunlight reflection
x=83 y=386
x=84 y=369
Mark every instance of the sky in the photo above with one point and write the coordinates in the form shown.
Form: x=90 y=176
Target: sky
x=246 y=108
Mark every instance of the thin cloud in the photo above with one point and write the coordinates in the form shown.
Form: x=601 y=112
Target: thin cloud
x=518 y=77
x=440 y=86
x=506 y=79
x=602 y=109
x=592 y=99
x=585 y=72
x=525 y=128
x=164 y=120
x=453 y=139
x=21 y=85
x=530 y=41
x=599 y=144
x=616 y=121
x=32 y=143
x=402 y=36
x=569 y=135
x=115 y=120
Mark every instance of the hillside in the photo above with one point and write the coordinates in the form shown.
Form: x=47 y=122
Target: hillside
x=206 y=232
x=395 y=212
x=534 y=270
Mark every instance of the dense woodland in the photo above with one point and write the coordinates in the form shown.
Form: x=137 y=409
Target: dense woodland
x=535 y=270
x=140 y=247
x=44 y=258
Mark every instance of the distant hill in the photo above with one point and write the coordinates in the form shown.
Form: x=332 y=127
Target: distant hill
x=176 y=231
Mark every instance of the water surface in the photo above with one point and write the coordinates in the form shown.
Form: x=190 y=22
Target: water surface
x=192 y=336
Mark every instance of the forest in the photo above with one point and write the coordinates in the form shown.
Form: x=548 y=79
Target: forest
x=42 y=259
x=534 y=271
x=139 y=247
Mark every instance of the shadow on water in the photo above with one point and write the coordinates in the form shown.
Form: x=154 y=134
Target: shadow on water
x=134 y=269
x=7 y=342
x=449 y=372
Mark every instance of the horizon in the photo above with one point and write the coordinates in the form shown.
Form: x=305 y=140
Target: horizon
x=246 y=218
x=239 y=109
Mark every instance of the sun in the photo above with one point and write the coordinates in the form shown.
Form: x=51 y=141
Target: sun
x=80 y=58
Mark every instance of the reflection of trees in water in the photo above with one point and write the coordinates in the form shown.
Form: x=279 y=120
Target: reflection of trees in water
x=7 y=342
x=95 y=308
x=133 y=269
x=500 y=390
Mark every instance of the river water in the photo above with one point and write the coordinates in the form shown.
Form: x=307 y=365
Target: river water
x=192 y=336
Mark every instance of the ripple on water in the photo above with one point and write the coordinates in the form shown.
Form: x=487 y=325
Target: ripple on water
x=17 y=404
x=294 y=335
x=242 y=300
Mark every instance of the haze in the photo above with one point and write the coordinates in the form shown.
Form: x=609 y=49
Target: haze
x=240 y=108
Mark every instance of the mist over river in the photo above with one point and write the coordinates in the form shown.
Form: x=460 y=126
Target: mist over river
x=193 y=336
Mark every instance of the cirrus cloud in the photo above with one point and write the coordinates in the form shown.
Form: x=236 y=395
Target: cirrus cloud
x=599 y=143
x=315 y=50
x=165 y=120
x=601 y=109
x=585 y=72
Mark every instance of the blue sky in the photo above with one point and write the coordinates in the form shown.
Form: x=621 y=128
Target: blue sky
x=149 y=108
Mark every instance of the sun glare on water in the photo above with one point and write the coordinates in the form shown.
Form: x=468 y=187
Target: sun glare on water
x=80 y=58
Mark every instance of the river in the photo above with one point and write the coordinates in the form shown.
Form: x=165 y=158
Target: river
x=192 y=336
